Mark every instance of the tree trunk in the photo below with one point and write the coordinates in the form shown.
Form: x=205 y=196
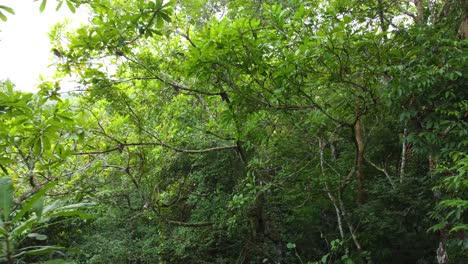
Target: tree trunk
x=403 y=155
x=463 y=29
x=359 y=141
x=420 y=11
x=330 y=196
x=441 y=252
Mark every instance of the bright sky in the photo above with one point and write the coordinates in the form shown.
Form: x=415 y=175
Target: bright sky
x=24 y=44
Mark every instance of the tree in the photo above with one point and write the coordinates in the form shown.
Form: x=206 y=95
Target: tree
x=263 y=131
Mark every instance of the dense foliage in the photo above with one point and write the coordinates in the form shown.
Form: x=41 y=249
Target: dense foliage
x=243 y=132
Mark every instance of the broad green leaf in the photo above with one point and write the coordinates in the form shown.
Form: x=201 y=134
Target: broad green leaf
x=40 y=250
x=165 y=16
x=6 y=196
x=459 y=227
x=33 y=202
x=52 y=210
x=78 y=213
x=18 y=230
x=38 y=206
x=159 y=22
x=76 y=206
x=37 y=148
x=50 y=207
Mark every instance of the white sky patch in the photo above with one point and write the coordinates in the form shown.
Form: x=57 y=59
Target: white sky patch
x=25 y=49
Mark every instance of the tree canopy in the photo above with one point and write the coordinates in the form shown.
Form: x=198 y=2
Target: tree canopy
x=242 y=132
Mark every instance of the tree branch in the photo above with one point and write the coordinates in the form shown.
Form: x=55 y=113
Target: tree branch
x=406 y=12
x=185 y=224
x=147 y=25
x=384 y=172
x=121 y=146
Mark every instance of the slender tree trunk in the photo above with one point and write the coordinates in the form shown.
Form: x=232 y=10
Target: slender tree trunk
x=403 y=155
x=383 y=25
x=350 y=226
x=442 y=255
x=463 y=29
x=339 y=206
x=420 y=11
x=359 y=141
x=330 y=196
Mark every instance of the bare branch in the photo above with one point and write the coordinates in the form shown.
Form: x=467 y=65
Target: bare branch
x=120 y=147
x=406 y=12
x=384 y=172
x=187 y=37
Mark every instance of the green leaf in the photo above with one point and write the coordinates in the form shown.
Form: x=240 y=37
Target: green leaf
x=8 y=9
x=50 y=207
x=42 y=6
x=18 y=231
x=38 y=206
x=57 y=261
x=159 y=22
x=37 y=148
x=3 y=230
x=37 y=236
x=42 y=250
x=5 y=161
x=324 y=258
x=59 y=5
x=165 y=16
x=3 y=17
x=438 y=226
x=33 y=201
x=6 y=196
x=71 y=6
x=78 y=213
x=459 y=227
x=52 y=210
x=291 y=245
x=77 y=206
x=347 y=260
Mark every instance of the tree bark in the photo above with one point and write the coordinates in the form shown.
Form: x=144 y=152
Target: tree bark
x=441 y=252
x=359 y=141
x=403 y=155
x=330 y=196
x=420 y=11
x=463 y=29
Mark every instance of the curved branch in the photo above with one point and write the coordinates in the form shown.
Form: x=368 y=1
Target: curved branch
x=406 y=12
x=120 y=147
x=175 y=85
